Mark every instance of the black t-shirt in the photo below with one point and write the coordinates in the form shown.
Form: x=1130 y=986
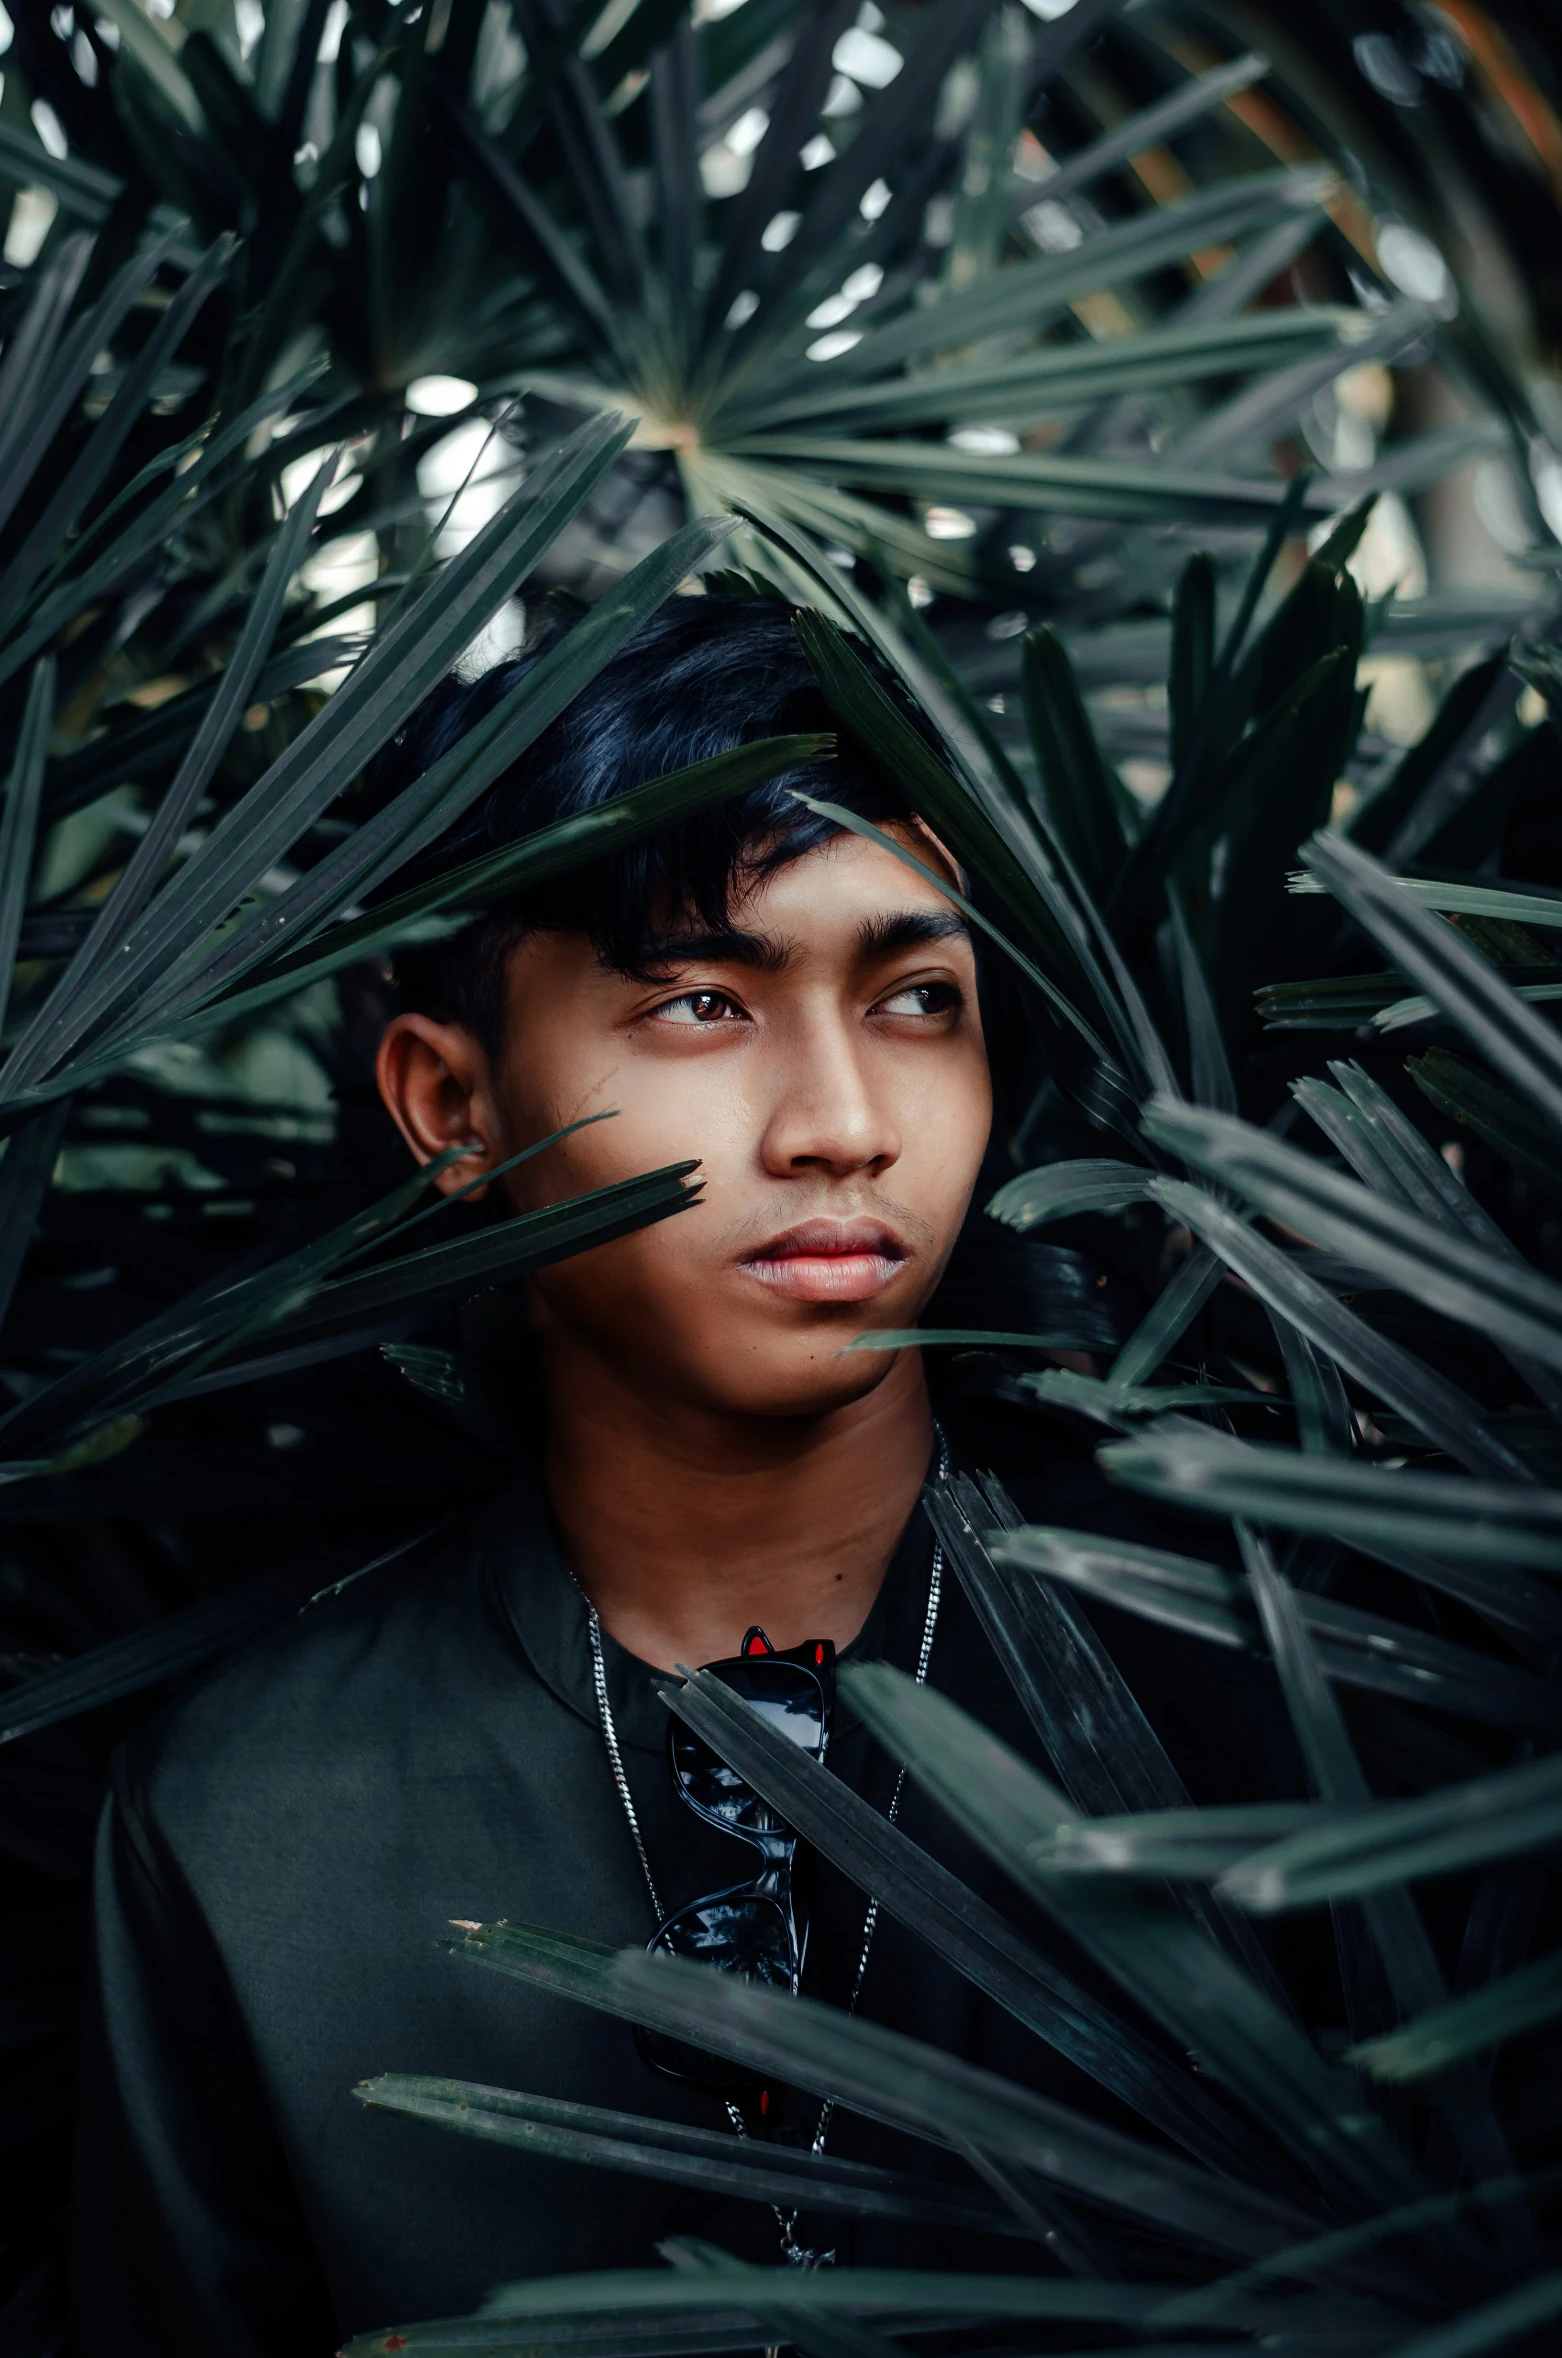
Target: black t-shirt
x=279 y=1863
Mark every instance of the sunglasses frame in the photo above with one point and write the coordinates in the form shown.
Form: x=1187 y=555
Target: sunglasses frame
x=774 y=1887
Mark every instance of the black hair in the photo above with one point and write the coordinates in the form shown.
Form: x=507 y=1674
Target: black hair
x=704 y=675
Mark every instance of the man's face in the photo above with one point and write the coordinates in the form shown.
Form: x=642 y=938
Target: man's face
x=824 y=1061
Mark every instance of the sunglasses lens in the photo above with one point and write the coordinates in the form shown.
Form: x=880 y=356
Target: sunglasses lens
x=790 y=1696
x=746 y=1934
x=792 y=1700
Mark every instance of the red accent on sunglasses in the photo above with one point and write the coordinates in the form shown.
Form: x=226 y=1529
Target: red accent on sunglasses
x=755 y=1642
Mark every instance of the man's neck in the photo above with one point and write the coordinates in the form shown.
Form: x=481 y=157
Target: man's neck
x=685 y=1526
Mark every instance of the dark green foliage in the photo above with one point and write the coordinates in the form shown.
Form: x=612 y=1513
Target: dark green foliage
x=1476 y=1098
x=1081 y=795
x=702 y=2158
x=1192 y=658
x=1342 y=1335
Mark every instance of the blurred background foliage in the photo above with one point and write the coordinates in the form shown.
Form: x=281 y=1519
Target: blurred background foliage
x=1170 y=390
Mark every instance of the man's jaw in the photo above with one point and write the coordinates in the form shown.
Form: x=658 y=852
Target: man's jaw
x=829 y=1260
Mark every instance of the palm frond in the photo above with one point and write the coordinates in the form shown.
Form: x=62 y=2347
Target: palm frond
x=1062 y=370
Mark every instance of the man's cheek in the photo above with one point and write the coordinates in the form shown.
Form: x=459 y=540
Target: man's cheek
x=640 y=1295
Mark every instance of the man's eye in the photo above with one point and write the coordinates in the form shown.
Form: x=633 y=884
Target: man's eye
x=697 y=1007
x=935 y=998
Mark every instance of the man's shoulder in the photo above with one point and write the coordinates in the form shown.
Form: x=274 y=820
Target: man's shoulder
x=348 y=1681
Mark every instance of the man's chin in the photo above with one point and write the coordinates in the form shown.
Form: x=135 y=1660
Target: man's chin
x=806 y=1386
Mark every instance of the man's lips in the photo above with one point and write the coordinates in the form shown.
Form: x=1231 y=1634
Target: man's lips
x=829 y=1260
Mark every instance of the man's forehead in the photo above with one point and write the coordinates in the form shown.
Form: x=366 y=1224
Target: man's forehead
x=852 y=885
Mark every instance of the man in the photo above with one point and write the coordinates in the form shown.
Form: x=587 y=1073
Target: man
x=476 y=1732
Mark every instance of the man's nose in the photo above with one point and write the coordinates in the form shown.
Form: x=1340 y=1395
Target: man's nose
x=826 y=1112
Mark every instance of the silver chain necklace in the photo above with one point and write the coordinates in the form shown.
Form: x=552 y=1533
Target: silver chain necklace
x=797 y=2254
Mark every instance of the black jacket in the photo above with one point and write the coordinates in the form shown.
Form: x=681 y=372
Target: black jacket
x=278 y=1865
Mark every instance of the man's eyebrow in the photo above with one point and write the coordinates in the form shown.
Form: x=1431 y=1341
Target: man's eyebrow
x=725 y=945
x=908 y=929
x=728 y=945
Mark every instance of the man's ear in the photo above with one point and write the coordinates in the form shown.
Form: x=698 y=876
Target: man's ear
x=438 y=1089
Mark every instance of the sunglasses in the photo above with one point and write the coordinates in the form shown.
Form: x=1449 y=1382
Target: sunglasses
x=758 y=1929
